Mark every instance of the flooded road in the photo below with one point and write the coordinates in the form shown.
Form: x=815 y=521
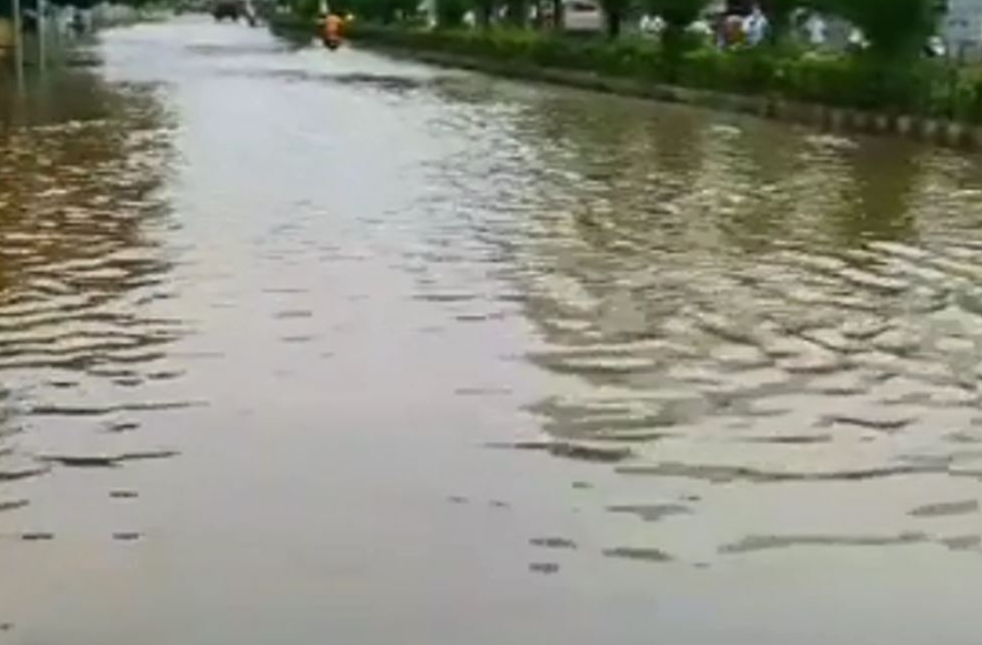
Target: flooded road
x=308 y=348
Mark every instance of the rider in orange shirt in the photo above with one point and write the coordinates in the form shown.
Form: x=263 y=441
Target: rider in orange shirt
x=332 y=31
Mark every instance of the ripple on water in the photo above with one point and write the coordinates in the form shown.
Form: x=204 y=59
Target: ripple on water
x=803 y=318
x=83 y=272
x=60 y=410
x=12 y=474
x=651 y=512
x=13 y=505
x=106 y=461
x=577 y=451
x=726 y=474
x=946 y=509
x=753 y=543
x=553 y=543
x=738 y=307
x=639 y=554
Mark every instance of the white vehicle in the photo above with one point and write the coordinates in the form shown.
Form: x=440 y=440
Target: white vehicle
x=582 y=16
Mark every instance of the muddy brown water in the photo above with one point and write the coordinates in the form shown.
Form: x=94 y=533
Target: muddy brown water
x=306 y=348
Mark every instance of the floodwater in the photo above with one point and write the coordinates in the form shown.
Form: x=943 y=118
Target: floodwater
x=299 y=347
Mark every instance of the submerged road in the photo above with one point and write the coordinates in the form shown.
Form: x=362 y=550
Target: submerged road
x=300 y=348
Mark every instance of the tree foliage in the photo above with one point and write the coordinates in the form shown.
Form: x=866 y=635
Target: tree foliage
x=677 y=13
x=450 y=13
x=614 y=11
x=483 y=12
x=383 y=11
x=895 y=28
x=516 y=12
x=678 y=16
x=779 y=14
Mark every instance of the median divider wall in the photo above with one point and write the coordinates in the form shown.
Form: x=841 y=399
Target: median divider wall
x=932 y=127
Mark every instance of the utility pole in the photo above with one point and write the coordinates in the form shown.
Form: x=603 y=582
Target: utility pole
x=42 y=45
x=18 y=43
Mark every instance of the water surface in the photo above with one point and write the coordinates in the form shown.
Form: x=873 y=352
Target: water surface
x=299 y=347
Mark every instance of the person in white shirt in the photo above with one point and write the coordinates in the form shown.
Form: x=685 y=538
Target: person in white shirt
x=701 y=28
x=816 y=29
x=652 y=24
x=857 y=40
x=755 y=26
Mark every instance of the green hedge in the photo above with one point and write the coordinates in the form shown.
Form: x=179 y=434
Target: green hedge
x=290 y=24
x=923 y=88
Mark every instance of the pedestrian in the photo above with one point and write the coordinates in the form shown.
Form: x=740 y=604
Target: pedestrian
x=816 y=30
x=77 y=22
x=935 y=47
x=652 y=25
x=701 y=29
x=857 y=40
x=733 y=32
x=755 y=26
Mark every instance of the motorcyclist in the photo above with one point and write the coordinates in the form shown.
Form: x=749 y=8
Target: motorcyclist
x=332 y=27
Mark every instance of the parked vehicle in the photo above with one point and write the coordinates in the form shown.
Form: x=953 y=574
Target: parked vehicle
x=582 y=16
x=231 y=9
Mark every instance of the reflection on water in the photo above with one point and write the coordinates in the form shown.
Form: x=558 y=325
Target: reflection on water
x=380 y=335
x=743 y=305
x=81 y=207
x=726 y=302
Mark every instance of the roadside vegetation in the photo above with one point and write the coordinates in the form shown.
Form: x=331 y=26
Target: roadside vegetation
x=889 y=70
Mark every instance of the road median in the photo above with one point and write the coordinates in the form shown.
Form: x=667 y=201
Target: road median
x=926 y=101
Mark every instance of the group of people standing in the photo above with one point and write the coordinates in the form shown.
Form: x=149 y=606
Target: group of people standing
x=735 y=30
x=727 y=30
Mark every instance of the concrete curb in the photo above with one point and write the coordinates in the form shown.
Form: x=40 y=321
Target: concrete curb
x=925 y=129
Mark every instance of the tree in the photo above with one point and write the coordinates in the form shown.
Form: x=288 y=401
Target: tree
x=450 y=13
x=896 y=29
x=384 y=11
x=483 y=12
x=678 y=16
x=516 y=12
x=558 y=14
x=779 y=14
x=614 y=11
x=304 y=8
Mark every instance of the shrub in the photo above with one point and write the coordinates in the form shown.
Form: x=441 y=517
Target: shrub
x=864 y=82
x=678 y=16
x=746 y=71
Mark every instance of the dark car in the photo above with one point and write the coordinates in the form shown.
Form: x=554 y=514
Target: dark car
x=232 y=9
